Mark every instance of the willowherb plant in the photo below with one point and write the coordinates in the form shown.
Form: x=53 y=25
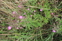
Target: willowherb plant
x=36 y=15
x=40 y=15
x=25 y=19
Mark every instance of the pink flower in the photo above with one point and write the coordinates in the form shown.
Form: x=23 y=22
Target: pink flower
x=9 y=27
x=14 y=12
x=52 y=13
x=17 y=28
x=21 y=17
x=21 y=27
x=19 y=6
x=41 y=10
x=28 y=9
x=34 y=11
x=31 y=15
x=53 y=31
x=56 y=15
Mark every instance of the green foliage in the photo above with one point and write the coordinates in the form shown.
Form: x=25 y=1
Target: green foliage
x=36 y=26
